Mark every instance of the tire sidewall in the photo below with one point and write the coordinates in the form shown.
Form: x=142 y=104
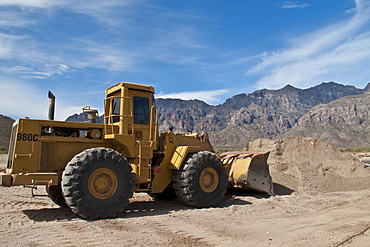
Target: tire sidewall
x=188 y=186
x=75 y=183
x=212 y=162
x=108 y=164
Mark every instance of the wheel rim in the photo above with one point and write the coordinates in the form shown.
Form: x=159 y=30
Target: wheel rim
x=208 y=180
x=103 y=183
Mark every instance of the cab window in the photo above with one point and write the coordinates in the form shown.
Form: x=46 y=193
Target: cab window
x=141 y=110
x=116 y=105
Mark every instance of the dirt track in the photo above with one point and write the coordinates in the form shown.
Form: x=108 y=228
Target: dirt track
x=299 y=218
x=332 y=219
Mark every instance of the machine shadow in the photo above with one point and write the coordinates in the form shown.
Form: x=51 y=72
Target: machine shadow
x=133 y=210
x=49 y=214
x=159 y=207
x=279 y=189
x=156 y=207
x=282 y=190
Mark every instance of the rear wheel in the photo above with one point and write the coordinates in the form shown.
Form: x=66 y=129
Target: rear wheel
x=98 y=183
x=56 y=195
x=202 y=180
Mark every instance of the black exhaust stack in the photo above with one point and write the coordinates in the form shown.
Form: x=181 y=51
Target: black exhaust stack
x=51 y=106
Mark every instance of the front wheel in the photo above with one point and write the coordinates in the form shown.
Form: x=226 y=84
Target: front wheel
x=97 y=183
x=202 y=180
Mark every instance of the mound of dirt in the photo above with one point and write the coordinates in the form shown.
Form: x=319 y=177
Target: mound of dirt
x=312 y=166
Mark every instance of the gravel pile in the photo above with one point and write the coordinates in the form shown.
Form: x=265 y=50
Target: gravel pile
x=311 y=166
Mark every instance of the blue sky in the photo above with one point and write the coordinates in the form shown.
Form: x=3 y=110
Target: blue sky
x=204 y=49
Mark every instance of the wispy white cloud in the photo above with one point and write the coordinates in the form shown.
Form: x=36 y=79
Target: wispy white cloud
x=42 y=60
x=11 y=18
x=210 y=97
x=30 y=3
x=28 y=72
x=7 y=45
x=37 y=60
x=292 y=5
x=160 y=41
x=180 y=45
x=43 y=56
x=89 y=7
x=112 y=13
x=103 y=11
x=92 y=54
x=330 y=53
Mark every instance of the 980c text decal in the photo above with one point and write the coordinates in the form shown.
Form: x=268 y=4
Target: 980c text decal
x=27 y=137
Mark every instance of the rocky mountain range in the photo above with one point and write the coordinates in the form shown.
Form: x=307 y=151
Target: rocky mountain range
x=342 y=122
x=261 y=114
x=5 y=128
x=331 y=112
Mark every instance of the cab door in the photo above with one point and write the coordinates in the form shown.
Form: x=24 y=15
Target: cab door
x=141 y=117
x=143 y=131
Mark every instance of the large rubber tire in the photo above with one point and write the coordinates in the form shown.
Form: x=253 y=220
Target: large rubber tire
x=201 y=181
x=56 y=195
x=98 y=183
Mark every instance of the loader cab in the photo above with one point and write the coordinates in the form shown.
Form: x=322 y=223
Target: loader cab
x=130 y=112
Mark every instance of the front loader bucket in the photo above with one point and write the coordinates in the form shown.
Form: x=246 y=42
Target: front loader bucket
x=248 y=170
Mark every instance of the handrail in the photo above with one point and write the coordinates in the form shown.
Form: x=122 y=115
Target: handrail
x=152 y=123
x=108 y=117
x=139 y=158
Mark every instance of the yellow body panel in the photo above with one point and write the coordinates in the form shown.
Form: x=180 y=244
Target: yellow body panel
x=178 y=157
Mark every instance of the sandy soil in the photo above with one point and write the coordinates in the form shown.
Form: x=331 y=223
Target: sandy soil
x=300 y=215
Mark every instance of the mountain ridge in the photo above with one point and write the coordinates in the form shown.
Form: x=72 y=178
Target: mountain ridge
x=5 y=130
x=350 y=115
x=244 y=117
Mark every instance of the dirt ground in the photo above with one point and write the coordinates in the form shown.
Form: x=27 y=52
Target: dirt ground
x=325 y=205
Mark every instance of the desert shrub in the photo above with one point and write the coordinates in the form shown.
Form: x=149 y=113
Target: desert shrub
x=3 y=150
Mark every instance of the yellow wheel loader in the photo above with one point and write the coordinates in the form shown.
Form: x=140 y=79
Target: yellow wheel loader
x=94 y=168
